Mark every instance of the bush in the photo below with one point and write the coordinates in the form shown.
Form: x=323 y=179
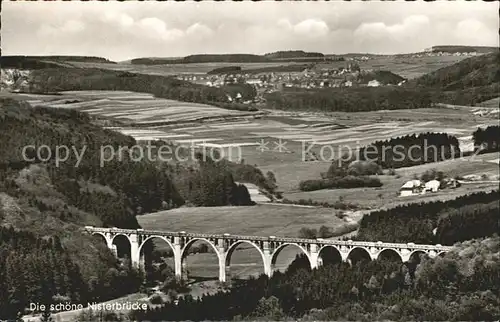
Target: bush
x=364 y=168
x=309 y=233
x=156 y=299
x=325 y=232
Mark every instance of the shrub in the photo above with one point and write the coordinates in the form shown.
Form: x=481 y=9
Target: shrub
x=309 y=233
x=156 y=299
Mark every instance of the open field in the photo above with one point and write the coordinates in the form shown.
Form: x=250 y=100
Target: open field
x=130 y=107
x=261 y=220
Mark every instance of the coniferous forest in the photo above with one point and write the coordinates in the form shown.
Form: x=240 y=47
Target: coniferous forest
x=411 y=150
x=488 y=138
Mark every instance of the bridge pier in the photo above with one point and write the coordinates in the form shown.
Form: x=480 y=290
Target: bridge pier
x=268 y=265
x=135 y=256
x=220 y=249
x=179 y=266
x=314 y=255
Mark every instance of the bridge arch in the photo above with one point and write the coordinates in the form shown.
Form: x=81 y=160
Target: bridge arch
x=160 y=237
x=332 y=255
x=119 y=250
x=441 y=253
x=233 y=246
x=389 y=253
x=98 y=233
x=361 y=252
x=416 y=254
x=194 y=240
x=278 y=250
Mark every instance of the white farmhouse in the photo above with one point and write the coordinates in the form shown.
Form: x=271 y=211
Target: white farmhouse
x=432 y=186
x=373 y=83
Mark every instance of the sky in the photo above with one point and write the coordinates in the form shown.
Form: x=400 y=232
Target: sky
x=125 y=30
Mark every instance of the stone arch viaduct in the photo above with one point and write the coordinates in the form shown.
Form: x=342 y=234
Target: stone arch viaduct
x=268 y=247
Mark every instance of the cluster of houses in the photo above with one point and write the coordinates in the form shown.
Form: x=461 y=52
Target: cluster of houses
x=416 y=187
x=431 y=53
x=272 y=81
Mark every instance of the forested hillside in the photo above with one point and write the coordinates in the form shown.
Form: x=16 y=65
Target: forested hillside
x=40 y=62
x=383 y=76
x=52 y=200
x=467 y=82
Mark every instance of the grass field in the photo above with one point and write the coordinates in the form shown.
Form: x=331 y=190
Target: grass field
x=132 y=108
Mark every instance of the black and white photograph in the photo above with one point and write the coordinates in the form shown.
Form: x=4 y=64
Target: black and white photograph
x=249 y=161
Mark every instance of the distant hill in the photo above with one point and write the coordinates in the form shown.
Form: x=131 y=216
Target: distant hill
x=25 y=62
x=289 y=56
x=292 y=54
x=463 y=49
x=39 y=62
x=383 y=76
x=202 y=58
